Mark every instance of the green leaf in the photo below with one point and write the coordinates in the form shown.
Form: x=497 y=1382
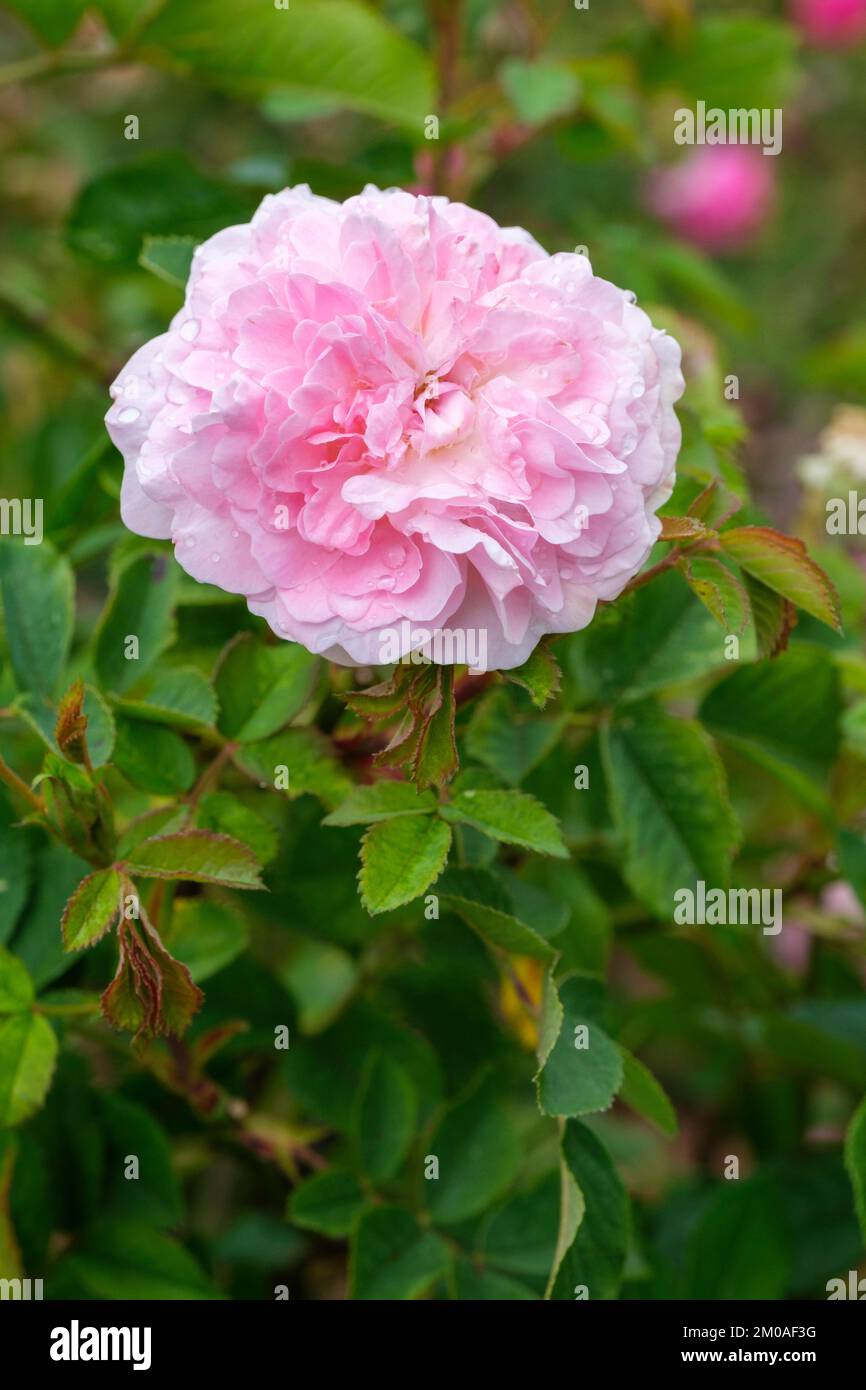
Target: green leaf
x=38 y=942
x=393 y=1258
x=223 y=812
x=160 y=821
x=28 y=1051
x=206 y=936
x=320 y=978
x=91 y=910
x=521 y=1236
x=332 y=48
x=784 y=716
x=476 y=1285
x=643 y=1093
x=540 y=90
x=303 y=758
x=153 y=758
x=324 y=1073
x=327 y=1203
x=782 y=563
x=539 y=674
x=774 y=617
x=38 y=590
x=719 y=589
x=179 y=696
x=15 y=870
x=584 y=1070
x=154 y=1196
x=855 y=1161
x=738 y=1248
x=386 y=1111
x=596 y=1256
x=261 y=688
x=478 y=1152
x=157 y=195
x=199 y=855
x=670 y=805
x=381 y=801
x=851 y=850
x=16 y=986
x=485 y=905
x=657 y=637
x=53 y=20
x=139 y=607
x=509 y=745
x=513 y=817
x=399 y=859
x=127 y=1260
x=168 y=257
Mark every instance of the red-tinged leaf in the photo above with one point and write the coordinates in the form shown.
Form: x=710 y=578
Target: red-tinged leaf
x=683 y=528
x=435 y=759
x=783 y=565
x=203 y=856
x=774 y=617
x=719 y=590
x=152 y=993
x=714 y=505
x=211 y=1042
x=92 y=909
x=70 y=730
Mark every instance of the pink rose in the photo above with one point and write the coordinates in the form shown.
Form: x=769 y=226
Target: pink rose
x=718 y=197
x=385 y=417
x=830 y=23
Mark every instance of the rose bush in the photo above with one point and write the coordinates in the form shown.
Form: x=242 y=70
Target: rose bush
x=327 y=976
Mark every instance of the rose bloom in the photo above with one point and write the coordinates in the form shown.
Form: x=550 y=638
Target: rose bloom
x=390 y=417
x=830 y=23
x=718 y=197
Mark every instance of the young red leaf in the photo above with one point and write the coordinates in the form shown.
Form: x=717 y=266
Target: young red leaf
x=783 y=564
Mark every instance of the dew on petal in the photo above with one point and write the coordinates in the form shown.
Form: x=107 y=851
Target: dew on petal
x=127 y=416
x=190 y=330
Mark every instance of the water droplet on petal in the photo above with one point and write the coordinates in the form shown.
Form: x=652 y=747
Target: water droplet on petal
x=631 y=296
x=190 y=330
x=127 y=416
x=566 y=572
x=235 y=535
x=395 y=557
x=215 y=557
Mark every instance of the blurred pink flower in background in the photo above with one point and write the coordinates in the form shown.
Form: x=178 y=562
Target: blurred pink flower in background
x=830 y=23
x=718 y=197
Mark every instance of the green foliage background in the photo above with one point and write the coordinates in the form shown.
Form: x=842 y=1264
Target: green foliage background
x=414 y=1036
